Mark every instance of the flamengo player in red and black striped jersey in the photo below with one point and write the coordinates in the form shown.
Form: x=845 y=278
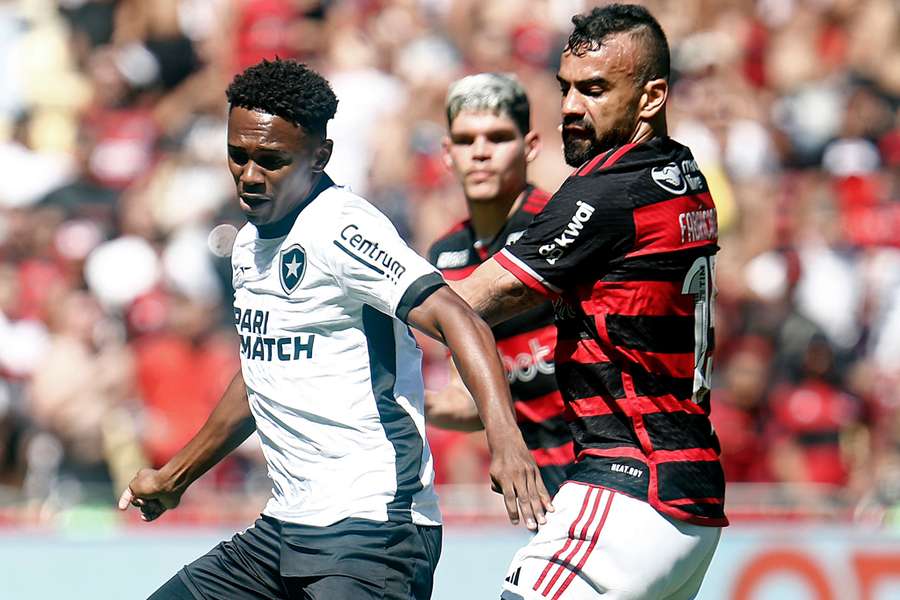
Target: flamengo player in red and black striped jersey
x=488 y=147
x=626 y=251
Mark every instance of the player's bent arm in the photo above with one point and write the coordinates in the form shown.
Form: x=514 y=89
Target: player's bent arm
x=156 y=490
x=452 y=407
x=495 y=293
x=446 y=317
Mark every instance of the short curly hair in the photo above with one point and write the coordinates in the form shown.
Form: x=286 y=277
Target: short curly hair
x=288 y=89
x=591 y=29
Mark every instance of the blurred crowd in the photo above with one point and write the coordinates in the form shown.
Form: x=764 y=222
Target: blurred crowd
x=115 y=333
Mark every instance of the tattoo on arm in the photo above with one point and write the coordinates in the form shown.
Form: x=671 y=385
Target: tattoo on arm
x=496 y=294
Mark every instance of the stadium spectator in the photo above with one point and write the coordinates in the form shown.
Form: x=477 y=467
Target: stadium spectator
x=739 y=412
x=810 y=422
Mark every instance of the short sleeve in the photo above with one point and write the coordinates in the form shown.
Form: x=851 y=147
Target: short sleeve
x=584 y=226
x=375 y=266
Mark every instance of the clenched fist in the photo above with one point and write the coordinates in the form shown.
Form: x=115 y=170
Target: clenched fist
x=150 y=492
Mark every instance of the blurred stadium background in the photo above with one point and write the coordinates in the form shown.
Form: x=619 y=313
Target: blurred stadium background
x=115 y=339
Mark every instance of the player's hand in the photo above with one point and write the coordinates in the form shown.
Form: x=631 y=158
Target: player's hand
x=149 y=492
x=515 y=475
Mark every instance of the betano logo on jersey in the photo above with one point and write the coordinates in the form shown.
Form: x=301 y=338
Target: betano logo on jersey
x=525 y=366
x=554 y=251
x=362 y=248
x=253 y=325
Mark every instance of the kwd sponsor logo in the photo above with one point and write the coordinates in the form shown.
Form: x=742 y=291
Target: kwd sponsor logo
x=554 y=251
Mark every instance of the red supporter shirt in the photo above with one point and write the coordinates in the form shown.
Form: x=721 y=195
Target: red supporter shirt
x=180 y=384
x=812 y=415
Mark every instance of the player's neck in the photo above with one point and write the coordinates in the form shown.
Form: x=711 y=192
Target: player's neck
x=488 y=218
x=647 y=130
x=281 y=227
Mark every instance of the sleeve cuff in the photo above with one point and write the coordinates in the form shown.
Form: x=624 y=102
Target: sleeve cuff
x=526 y=274
x=417 y=292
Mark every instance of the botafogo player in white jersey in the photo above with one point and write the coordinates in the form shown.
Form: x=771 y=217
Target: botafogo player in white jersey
x=325 y=292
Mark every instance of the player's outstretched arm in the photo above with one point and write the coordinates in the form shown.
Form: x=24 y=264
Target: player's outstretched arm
x=446 y=317
x=452 y=407
x=495 y=293
x=154 y=491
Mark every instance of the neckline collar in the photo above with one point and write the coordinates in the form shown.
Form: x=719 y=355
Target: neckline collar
x=484 y=247
x=283 y=226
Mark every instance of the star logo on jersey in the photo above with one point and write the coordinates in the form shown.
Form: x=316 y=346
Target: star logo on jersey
x=293 y=265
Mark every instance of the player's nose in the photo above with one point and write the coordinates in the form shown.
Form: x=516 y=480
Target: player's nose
x=481 y=148
x=252 y=177
x=572 y=103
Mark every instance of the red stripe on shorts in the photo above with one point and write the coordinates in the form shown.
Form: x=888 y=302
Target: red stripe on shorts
x=584 y=558
x=552 y=562
x=562 y=566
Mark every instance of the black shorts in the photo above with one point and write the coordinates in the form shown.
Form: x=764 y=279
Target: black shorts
x=354 y=558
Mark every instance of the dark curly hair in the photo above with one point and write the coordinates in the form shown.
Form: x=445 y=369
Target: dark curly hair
x=288 y=89
x=591 y=29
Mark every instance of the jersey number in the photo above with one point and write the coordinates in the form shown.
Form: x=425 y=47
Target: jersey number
x=700 y=281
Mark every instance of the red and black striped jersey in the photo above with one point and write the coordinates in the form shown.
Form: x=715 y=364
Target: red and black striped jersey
x=626 y=248
x=526 y=343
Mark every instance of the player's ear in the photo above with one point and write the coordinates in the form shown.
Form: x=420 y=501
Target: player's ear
x=322 y=155
x=653 y=98
x=533 y=145
x=445 y=153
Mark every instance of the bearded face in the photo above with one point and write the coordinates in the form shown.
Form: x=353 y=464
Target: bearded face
x=601 y=97
x=582 y=142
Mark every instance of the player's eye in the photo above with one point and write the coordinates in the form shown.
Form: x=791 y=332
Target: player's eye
x=462 y=140
x=592 y=90
x=271 y=162
x=500 y=137
x=237 y=155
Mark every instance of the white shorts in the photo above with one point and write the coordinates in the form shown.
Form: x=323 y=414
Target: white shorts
x=604 y=544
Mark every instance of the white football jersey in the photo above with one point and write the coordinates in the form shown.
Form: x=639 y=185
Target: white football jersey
x=333 y=373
